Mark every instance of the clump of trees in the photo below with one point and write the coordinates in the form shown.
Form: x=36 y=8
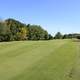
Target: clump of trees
x=66 y=36
x=13 y=30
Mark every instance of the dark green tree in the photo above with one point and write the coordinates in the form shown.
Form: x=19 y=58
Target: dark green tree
x=50 y=37
x=58 y=35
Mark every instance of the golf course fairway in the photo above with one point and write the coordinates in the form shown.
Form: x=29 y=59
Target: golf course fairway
x=40 y=60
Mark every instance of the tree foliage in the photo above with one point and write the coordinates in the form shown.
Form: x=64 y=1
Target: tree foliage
x=36 y=32
x=66 y=36
x=71 y=36
x=13 y=30
x=58 y=36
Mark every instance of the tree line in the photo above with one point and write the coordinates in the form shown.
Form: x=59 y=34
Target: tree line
x=67 y=36
x=13 y=30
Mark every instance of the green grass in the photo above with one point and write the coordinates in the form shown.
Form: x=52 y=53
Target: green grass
x=40 y=60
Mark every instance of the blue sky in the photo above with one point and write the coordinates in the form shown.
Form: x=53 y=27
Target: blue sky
x=52 y=15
